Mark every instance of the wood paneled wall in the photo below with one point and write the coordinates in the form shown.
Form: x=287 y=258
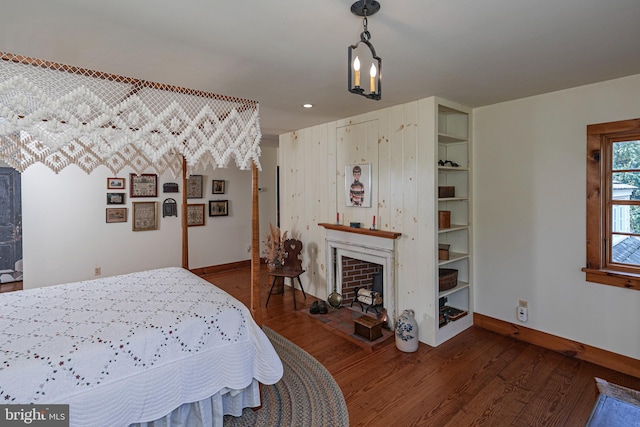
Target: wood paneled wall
x=398 y=142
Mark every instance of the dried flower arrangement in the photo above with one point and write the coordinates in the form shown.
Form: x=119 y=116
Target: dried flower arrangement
x=274 y=246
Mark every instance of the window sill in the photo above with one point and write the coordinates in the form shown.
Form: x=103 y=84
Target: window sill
x=613 y=278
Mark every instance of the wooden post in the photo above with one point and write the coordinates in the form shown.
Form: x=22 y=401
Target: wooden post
x=256 y=304
x=185 y=227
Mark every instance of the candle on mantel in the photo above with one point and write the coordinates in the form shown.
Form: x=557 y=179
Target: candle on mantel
x=374 y=221
x=373 y=73
x=356 y=67
x=337 y=217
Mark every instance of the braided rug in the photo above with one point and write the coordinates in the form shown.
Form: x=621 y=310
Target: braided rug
x=307 y=394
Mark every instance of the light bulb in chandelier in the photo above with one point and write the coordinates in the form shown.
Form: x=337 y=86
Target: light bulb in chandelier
x=356 y=68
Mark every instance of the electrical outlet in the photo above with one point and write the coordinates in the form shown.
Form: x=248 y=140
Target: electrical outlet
x=522 y=311
x=97 y=271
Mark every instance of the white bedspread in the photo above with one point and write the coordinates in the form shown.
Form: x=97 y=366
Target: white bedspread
x=128 y=348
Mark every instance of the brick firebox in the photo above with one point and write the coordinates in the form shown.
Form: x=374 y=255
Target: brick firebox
x=356 y=273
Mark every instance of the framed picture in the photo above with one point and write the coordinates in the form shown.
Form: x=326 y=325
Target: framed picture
x=218 y=207
x=357 y=185
x=145 y=185
x=195 y=215
x=115 y=198
x=194 y=187
x=115 y=183
x=116 y=215
x=145 y=216
x=218 y=186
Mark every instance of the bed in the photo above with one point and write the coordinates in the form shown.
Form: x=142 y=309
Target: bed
x=133 y=348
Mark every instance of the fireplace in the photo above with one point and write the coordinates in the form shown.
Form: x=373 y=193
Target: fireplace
x=370 y=246
x=359 y=274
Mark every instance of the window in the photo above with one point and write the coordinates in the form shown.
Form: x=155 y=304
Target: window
x=613 y=204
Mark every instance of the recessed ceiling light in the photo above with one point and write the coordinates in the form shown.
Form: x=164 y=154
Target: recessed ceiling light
x=307 y=105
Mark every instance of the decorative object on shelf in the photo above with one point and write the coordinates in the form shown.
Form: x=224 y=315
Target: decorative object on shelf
x=195 y=215
x=274 y=247
x=169 y=207
x=444 y=219
x=115 y=183
x=448 y=162
x=450 y=314
x=447 y=279
x=145 y=185
x=194 y=187
x=354 y=224
x=373 y=223
x=357 y=185
x=364 y=8
x=407 y=332
x=217 y=186
x=218 y=207
x=170 y=187
x=446 y=192
x=443 y=251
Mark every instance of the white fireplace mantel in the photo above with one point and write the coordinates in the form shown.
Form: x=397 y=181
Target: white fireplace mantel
x=374 y=246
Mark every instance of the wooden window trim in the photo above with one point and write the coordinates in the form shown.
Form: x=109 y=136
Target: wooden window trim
x=599 y=136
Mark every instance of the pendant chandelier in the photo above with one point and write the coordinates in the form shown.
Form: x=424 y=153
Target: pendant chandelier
x=365 y=8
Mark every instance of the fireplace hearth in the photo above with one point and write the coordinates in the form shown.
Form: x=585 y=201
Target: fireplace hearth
x=371 y=246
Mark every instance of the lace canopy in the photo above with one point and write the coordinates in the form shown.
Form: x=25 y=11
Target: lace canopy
x=60 y=115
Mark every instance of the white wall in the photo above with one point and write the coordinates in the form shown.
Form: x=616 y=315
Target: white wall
x=529 y=215
x=65 y=235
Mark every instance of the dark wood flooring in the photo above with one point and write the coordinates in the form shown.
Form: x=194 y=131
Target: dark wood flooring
x=477 y=378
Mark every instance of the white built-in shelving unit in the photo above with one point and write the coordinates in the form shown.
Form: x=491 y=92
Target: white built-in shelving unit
x=453 y=143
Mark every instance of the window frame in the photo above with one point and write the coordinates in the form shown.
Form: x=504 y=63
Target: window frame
x=600 y=139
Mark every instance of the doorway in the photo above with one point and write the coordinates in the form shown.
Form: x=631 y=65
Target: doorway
x=10 y=226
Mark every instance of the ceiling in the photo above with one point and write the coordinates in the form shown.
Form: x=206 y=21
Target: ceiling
x=283 y=53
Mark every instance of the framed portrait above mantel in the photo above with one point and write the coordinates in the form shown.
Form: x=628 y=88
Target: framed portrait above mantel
x=145 y=185
x=357 y=185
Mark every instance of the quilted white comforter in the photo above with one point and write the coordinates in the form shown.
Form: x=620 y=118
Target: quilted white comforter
x=128 y=348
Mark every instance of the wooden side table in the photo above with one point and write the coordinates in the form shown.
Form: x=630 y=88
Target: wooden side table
x=291 y=274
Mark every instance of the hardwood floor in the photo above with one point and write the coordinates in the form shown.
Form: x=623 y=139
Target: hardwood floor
x=476 y=378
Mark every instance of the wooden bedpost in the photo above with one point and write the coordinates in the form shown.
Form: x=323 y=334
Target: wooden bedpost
x=185 y=227
x=256 y=304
